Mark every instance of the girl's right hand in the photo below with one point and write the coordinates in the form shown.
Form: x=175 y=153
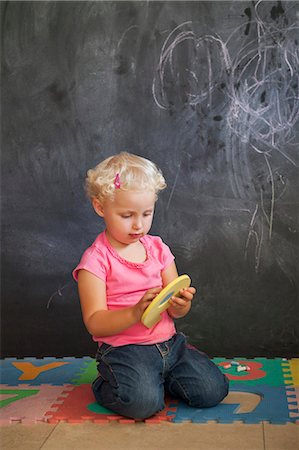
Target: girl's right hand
x=141 y=306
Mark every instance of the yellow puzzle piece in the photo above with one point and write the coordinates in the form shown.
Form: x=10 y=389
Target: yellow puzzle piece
x=152 y=314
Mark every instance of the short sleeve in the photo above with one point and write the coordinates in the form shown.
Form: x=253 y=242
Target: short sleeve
x=92 y=261
x=167 y=256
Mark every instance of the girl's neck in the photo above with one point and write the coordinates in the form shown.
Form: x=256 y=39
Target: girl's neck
x=118 y=246
x=134 y=252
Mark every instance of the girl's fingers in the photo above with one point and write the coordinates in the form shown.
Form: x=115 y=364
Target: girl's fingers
x=151 y=296
x=155 y=290
x=186 y=294
x=191 y=290
x=176 y=301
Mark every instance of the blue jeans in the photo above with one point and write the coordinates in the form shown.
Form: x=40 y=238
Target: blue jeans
x=133 y=378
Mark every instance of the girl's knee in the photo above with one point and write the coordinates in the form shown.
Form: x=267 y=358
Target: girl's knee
x=211 y=394
x=128 y=402
x=140 y=405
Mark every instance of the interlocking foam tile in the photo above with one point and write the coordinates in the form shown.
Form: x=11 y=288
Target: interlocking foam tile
x=292 y=394
x=34 y=371
x=294 y=365
x=80 y=406
x=54 y=389
x=291 y=371
x=269 y=404
x=262 y=371
x=87 y=374
x=287 y=374
x=25 y=404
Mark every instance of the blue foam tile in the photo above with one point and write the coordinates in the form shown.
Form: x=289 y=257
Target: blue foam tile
x=273 y=407
x=70 y=368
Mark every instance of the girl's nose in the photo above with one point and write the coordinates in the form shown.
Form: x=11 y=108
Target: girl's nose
x=137 y=224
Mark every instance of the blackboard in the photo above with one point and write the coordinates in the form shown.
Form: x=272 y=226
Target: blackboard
x=209 y=91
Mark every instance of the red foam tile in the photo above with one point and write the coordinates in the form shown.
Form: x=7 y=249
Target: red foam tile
x=74 y=409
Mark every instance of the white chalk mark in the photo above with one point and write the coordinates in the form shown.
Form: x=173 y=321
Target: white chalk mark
x=173 y=187
x=263 y=208
x=193 y=74
x=284 y=183
x=259 y=249
x=132 y=27
x=251 y=231
x=252 y=222
x=59 y=292
x=272 y=196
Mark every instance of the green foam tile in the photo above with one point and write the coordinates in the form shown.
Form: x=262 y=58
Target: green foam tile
x=88 y=374
x=263 y=371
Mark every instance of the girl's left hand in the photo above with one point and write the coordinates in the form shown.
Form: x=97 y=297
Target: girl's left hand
x=179 y=306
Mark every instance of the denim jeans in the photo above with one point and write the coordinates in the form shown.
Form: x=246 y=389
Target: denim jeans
x=132 y=379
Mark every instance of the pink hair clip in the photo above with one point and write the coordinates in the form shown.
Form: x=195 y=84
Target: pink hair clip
x=117 y=181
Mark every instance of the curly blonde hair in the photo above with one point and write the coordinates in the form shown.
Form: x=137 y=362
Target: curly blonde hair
x=134 y=173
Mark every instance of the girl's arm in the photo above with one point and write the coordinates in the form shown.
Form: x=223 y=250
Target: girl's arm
x=98 y=320
x=179 y=306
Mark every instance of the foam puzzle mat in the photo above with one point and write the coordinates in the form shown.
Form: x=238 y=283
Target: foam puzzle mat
x=59 y=389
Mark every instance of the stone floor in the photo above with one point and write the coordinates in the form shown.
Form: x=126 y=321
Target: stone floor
x=140 y=436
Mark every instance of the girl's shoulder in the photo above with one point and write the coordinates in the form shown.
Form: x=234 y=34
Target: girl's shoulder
x=100 y=242
x=97 y=246
x=150 y=239
x=154 y=242
x=94 y=259
x=158 y=249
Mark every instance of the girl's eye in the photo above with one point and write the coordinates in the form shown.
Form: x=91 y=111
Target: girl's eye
x=125 y=217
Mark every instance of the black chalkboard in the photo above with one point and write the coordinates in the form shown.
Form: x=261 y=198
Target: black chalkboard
x=209 y=91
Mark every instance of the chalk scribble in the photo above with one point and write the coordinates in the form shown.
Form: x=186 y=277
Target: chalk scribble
x=256 y=88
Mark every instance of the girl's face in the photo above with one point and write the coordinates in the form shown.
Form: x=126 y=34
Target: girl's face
x=128 y=216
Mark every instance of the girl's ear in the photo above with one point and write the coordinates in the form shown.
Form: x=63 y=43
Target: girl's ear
x=97 y=206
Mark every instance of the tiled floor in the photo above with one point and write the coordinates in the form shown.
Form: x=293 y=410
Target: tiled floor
x=142 y=436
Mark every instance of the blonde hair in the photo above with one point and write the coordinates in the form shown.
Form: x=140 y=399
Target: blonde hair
x=134 y=173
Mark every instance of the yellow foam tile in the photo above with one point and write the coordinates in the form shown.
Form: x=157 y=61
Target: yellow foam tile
x=294 y=366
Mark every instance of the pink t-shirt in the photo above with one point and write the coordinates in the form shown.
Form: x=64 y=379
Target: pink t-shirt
x=126 y=283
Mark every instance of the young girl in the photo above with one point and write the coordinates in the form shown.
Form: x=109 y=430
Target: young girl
x=118 y=277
